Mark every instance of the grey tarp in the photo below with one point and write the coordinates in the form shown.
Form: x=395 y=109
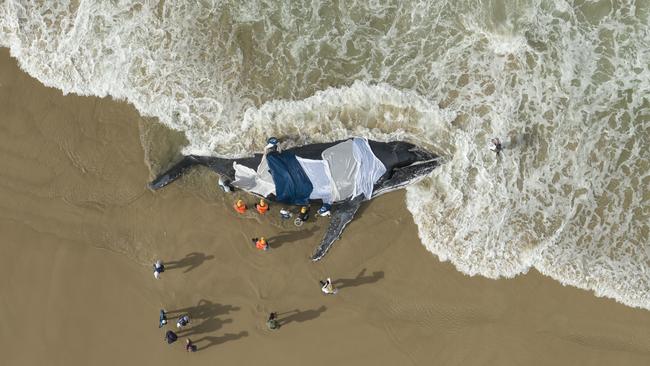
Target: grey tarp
x=342 y=168
x=369 y=170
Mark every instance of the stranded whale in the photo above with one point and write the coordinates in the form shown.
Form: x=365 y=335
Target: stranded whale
x=340 y=174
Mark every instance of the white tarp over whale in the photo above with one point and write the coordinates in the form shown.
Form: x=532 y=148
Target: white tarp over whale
x=353 y=168
x=369 y=168
x=342 y=168
x=347 y=169
x=259 y=181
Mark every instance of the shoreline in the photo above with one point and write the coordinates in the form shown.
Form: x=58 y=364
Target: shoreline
x=74 y=179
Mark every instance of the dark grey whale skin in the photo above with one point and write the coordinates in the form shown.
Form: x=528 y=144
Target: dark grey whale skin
x=404 y=162
x=394 y=155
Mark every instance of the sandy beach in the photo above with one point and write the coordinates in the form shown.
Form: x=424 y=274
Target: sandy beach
x=81 y=230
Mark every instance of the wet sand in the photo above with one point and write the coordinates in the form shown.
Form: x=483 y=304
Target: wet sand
x=80 y=231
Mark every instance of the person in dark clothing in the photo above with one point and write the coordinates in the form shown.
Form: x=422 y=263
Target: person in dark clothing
x=162 y=319
x=158 y=268
x=496 y=146
x=272 y=322
x=304 y=213
x=189 y=346
x=183 y=321
x=170 y=337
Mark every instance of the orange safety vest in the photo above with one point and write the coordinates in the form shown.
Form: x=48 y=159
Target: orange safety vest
x=261 y=245
x=241 y=209
x=262 y=209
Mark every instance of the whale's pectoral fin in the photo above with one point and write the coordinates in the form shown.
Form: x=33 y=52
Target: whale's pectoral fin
x=342 y=214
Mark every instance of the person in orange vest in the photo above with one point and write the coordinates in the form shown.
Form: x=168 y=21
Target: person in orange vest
x=240 y=206
x=262 y=207
x=261 y=243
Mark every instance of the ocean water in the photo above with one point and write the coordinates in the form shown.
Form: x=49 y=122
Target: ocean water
x=564 y=84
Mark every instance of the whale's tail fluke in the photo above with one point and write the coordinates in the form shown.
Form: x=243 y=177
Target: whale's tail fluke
x=174 y=172
x=222 y=166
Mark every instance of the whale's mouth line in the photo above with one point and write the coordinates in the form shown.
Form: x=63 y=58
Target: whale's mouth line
x=414 y=180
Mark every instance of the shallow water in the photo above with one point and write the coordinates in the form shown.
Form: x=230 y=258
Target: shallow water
x=563 y=83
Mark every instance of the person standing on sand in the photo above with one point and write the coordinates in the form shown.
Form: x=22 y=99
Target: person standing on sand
x=158 y=268
x=189 y=346
x=163 y=318
x=272 y=322
x=183 y=321
x=262 y=207
x=240 y=206
x=170 y=337
x=327 y=287
x=260 y=243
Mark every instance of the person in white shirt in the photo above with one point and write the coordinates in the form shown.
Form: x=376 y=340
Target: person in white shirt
x=158 y=268
x=183 y=321
x=327 y=287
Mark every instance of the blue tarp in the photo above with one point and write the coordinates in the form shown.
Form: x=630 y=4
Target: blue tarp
x=292 y=185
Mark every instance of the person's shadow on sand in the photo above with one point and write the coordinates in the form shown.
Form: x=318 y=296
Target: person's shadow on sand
x=213 y=341
x=191 y=261
x=204 y=309
x=359 y=280
x=291 y=236
x=300 y=315
x=206 y=326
